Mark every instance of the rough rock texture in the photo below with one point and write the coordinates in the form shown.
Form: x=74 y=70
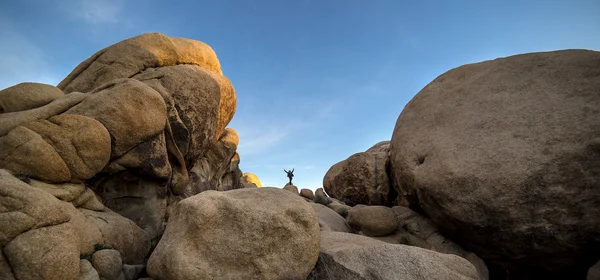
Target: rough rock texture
x=43 y=236
x=87 y=271
x=417 y=230
x=233 y=235
x=373 y=220
x=9 y=121
x=83 y=143
x=132 y=112
x=25 y=96
x=329 y=220
x=134 y=55
x=107 y=263
x=251 y=178
x=321 y=197
x=360 y=179
x=504 y=157
x=77 y=194
x=307 y=193
x=209 y=171
x=204 y=101
x=339 y=207
x=291 y=188
x=44 y=253
x=142 y=201
x=351 y=256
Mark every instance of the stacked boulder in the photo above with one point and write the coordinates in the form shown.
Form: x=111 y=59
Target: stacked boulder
x=362 y=178
x=104 y=157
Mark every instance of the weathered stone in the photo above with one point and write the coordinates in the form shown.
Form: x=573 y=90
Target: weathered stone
x=205 y=104
x=308 y=194
x=222 y=235
x=133 y=56
x=25 y=96
x=321 y=197
x=149 y=158
x=417 y=230
x=17 y=149
x=339 y=208
x=504 y=157
x=251 y=178
x=107 y=263
x=329 y=220
x=131 y=111
x=121 y=234
x=5 y=270
x=140 y=200
x=360 y=179
x=82 y=142
x=207 y=173
x=24 y=208
x=373 y=220
x=87 y=271
x=46 y=253
x=8 y=121
x=291 y=188
x=351 y=256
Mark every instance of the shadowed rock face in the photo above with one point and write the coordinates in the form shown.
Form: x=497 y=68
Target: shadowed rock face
x=362 y=178
x=504 y=157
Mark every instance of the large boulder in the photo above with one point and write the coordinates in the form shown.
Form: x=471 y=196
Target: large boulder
x=361 y=179
x=350 y=256
x=504 y=157
x=254 y=233
x=25 y=96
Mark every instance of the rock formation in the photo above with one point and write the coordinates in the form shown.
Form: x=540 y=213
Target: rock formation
x=251 y=178
x=350 y=256
x=137 y=127
x=362 y=178
x=127 y=170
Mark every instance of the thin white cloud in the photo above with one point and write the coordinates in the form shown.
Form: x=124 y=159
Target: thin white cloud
x=98 y=11
x=22 y=61
x=257 y=139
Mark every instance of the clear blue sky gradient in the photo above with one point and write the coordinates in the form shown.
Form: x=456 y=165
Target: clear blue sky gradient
x=316 y=81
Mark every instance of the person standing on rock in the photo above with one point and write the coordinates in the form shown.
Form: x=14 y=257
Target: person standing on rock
x=290 y=174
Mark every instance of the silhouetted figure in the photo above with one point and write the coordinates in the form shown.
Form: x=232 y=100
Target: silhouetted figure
x=290 y=174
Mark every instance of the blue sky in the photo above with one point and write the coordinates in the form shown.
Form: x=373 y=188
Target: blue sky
x=316 y=81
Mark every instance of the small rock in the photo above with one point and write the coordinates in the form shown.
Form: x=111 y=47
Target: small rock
x=306 y=193
x=321 y=197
